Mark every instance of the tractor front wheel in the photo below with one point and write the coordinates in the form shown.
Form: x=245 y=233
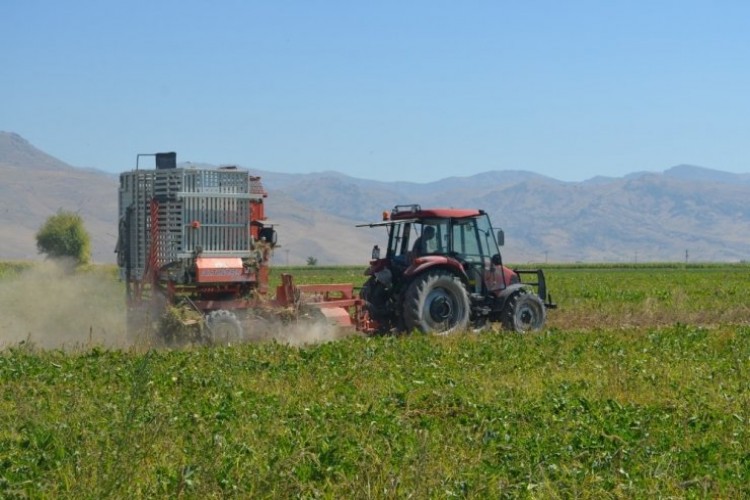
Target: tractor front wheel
x=524 y=313
x=224 y=328
x=436 y=302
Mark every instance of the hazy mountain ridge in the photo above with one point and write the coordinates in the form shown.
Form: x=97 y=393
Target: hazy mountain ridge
x=35 y=185
x=15 y=151
x=643 y=216
x=702 y=174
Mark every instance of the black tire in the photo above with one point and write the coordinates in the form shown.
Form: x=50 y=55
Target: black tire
x=524 y=312
x=436 y=302
x=224 y=328
x=375 y=296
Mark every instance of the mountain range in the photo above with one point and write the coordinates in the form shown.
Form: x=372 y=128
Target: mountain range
x=685 y=212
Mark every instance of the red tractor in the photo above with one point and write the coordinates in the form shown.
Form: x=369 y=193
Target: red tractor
x=442 y=272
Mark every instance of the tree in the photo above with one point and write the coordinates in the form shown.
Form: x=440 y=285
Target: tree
x=63 y=235
x=312 y=261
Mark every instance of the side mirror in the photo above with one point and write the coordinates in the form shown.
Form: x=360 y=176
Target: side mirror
x=375 y=252
x=500 y=238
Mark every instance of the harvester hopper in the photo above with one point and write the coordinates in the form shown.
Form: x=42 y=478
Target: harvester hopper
x=197 y=240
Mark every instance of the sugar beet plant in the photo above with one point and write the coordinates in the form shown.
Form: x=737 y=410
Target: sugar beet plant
x=587 y=408
x=660 y=412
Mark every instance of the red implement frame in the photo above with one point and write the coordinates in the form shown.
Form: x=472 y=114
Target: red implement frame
x=336 y=301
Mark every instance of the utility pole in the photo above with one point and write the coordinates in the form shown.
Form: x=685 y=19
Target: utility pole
x=686 y=256
x=286 y=250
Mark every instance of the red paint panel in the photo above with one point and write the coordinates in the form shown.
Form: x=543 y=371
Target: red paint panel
x=219 y=270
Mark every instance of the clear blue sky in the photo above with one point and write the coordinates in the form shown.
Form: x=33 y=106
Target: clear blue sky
x=399 y=90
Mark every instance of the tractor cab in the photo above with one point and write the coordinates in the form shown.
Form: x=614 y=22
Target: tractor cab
x=458 y=239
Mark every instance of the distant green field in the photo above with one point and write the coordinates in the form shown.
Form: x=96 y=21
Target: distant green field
x=625 y=295
x=13 y=268
x=639 y=387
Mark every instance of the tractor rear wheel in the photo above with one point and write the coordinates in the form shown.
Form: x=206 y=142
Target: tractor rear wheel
x=224 y=328
x=524 y=312
x=436 y=302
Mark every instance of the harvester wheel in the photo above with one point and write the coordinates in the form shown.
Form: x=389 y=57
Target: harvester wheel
x=436 y=302
x=524 y=313
x=224 y=328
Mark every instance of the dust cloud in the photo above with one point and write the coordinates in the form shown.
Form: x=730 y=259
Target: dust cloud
x=307 y=333
x=53 y=307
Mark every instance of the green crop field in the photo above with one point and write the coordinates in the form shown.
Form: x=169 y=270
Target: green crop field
x=639 y=387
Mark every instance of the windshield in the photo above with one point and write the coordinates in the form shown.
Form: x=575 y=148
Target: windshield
x=398 y=240
x=432 y=237
x=473 y=239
